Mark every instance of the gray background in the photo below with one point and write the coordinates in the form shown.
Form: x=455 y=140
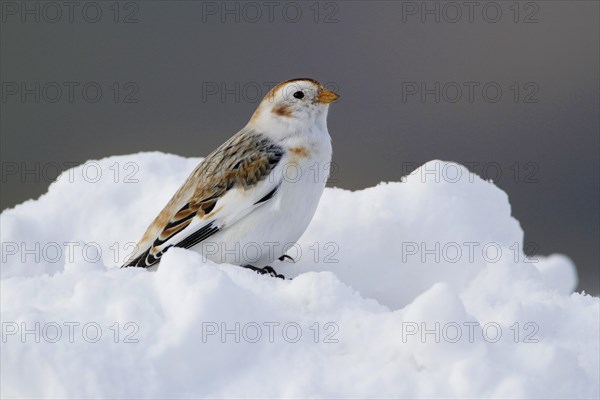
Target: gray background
x=175 y=53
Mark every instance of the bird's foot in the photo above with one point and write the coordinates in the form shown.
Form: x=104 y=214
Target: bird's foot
x=269 y=270
x=264 y=271
x=286 y=257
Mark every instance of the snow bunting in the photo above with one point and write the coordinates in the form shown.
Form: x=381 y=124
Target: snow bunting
x=254 y=196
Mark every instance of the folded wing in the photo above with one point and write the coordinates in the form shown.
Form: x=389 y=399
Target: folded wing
x=228 y=185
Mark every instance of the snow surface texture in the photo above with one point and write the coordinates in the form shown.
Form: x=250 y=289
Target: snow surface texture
x=393 y=296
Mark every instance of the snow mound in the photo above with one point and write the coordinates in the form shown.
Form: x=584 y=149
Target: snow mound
x=410 y=289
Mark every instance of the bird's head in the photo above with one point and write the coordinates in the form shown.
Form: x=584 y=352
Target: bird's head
x=293 y=104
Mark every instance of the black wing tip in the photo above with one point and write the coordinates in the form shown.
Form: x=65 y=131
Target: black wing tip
x=146 y=260
x=141 y=261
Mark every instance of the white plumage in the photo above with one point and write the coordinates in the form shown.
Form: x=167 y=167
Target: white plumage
x=254 y=196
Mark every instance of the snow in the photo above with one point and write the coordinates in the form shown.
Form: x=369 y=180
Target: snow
x=410 y=289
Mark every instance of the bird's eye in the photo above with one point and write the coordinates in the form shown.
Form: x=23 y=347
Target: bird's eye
x=299 y=94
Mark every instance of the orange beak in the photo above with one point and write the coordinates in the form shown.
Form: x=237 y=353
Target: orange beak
x=326 y=96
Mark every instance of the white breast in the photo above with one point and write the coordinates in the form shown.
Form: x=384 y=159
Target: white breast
x=267 y=232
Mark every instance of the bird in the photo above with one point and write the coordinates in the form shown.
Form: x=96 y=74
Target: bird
x=251 y=199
